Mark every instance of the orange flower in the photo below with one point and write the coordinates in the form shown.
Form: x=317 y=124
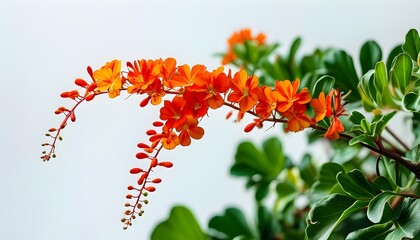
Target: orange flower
x=266 y=102
x=297 y=119
x=213 y=85
x=142 y=74
x=194 y=104
x=188 y=129
x=155 y=92
x=169 y=140
x=331 y=107
x=108 y=78
x=172 y=112
x=186 y=76
x=286 y=93
x=322 y=106
x=168 y=69
x=335 y=129
x=244 y=90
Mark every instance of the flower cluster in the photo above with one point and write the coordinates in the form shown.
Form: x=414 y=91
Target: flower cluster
x=186 y=94
x=331 y=107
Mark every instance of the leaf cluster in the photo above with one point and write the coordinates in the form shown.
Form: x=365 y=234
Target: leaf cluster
x=367 y=189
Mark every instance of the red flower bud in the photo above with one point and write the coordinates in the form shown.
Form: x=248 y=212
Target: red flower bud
x=142 y=178
x=74 y=94
x=229 y=115
x=151 y=132
x=144 y=102
x=130 y=187
x=154 y=162
x=148 y=150
x=52 y=130
x=80 y=82
x=141 y=155
x=89 y=70
x=158 y=124
x=73 y=117
x=166 y=164
x=150 y=189
x=156 y=137
x=157 y=180
x=142 y=145
x=91 y=87
x=65 y=94
x=136 y=170
x=155 y=143
x=129 y=196
x=249 y=127
x=90 y=97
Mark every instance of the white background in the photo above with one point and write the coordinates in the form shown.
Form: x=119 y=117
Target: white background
x=45 y=45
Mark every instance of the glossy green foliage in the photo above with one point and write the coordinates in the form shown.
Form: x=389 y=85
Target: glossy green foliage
x=395 y=84
x=231 y=225
x=368 y=132
x=180 y=225
x=370 y=54
x=358 y=191
x=259 y=167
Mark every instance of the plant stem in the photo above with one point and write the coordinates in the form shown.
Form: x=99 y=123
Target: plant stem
x=414 y=168
x=397 y=138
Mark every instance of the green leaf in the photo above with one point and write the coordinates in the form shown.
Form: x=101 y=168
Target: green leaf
x=324 y=84
x=355 y=184
x=412 y=44
x=181 y=225
x=400 y=73
x=328 y=173
x=262 y=190
x=411 y=102
x=311 y=63
x=343 y=153
x=240 y=51
x=363 y=138
x=248 y=156
x=230 y=225
x=407 y=224
x=365 y=126
x=286 y=193
x=414 y=154
x=356 y=117
x=370 y=54
x=381 y=78
x=388 y=169
x=367 y=91
x=374 y=232
x=260 y=167
x=328 y=213
x=273 y=150
x=415 y=119
x=340 y=66
x=382 y=121
x=383 y=184
x=267 y=223
x=394 y=52
x=251 y=52
x=292 y=58
x=376 y=206
x=327 y=182
x=308 y=171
